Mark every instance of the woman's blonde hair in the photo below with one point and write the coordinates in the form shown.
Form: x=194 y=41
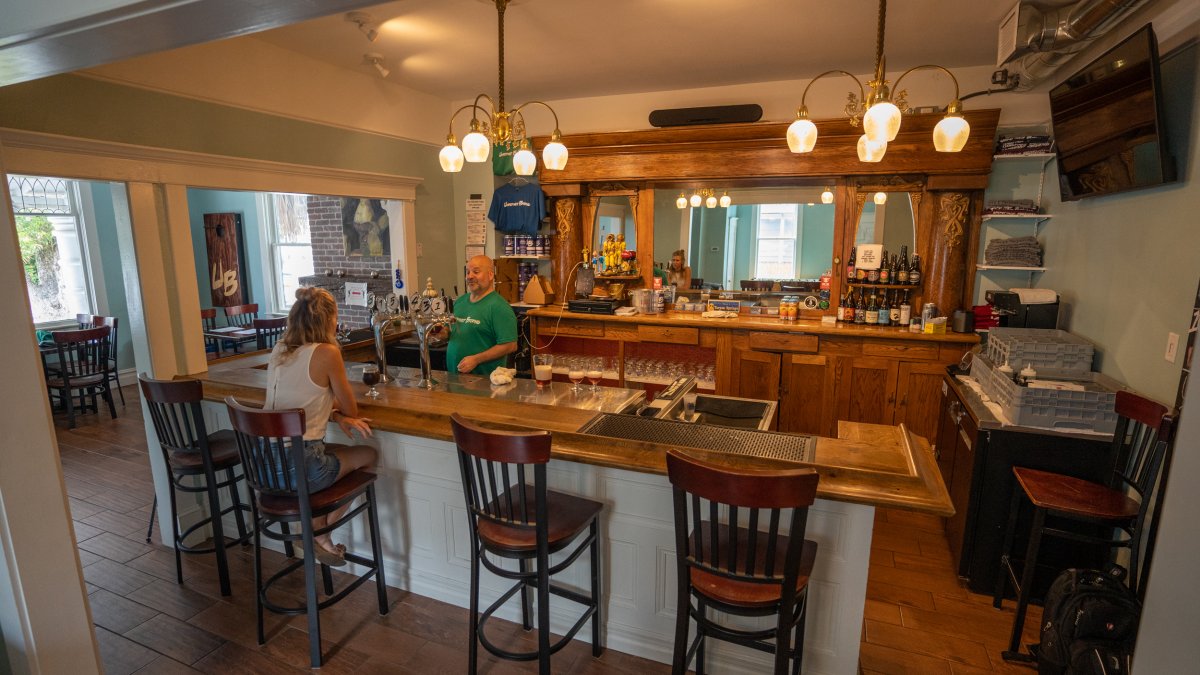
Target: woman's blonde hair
x=682 y=259
x=313 y=318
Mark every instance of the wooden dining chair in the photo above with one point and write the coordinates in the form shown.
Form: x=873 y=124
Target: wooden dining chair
x=728 y=566
x=208 y=322
x=242 y=316
x=82 y=368
x=268 y=331
x=114 y=370
x=756 y=284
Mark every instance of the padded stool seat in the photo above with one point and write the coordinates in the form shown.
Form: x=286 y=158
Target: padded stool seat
x=746 y=593
x=1068 y=494
x=222 y=447
x=569 y=515
x=350 y=485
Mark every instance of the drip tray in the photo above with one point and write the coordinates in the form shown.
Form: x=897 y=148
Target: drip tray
x=787 y=447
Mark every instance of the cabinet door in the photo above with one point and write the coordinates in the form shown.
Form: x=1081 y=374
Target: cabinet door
x=944 y=448
x=918 y=388
x=806 y=395
x=756 y=375
x=866 y=389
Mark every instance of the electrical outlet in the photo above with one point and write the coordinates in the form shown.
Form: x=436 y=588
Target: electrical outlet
x=1172 y=346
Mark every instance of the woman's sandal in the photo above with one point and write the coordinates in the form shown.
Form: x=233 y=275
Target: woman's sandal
x=334 y=558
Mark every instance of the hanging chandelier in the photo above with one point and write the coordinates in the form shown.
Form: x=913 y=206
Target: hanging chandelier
x=496 y=125
x=880 y=111
x=706 y=196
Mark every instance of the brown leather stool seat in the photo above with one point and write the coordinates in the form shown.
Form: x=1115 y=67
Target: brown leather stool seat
x=571 y=515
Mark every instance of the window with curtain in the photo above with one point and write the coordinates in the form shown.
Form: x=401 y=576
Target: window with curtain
x=53 y=240
x=291 y=246
x=775 y=241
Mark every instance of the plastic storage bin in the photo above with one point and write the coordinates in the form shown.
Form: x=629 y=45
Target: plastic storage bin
x=1053 y=353
x=1091 y=409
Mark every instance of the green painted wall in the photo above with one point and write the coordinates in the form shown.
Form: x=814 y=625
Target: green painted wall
x=110 y=262
x=72 y=105
x=201 y=202
x=5 y=667
x=816 y=253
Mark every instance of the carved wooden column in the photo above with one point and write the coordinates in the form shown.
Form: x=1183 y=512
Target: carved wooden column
x=568 y=244
x=945 y=274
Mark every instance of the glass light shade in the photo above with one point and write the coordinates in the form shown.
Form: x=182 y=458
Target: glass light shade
x=476 y=147
x=950 y=135
x=681 y=202
x=882 y=121
x=451 y=158
x=696 y=199
x=554 y=156
x=827 y=197
x=524 y=162
x=725 y=200
x=870 y=151
x=881 y=198
x=802 y=136
x=711 y=202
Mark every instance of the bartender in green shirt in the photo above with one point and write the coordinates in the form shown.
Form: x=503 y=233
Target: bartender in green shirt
x=486 y=328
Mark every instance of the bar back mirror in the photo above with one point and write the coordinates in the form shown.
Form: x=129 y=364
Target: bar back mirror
x=890 y=223
x=616 y=217
x=765 y=235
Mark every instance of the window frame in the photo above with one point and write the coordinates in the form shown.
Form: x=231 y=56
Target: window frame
x=271 y=244
x=795 y=239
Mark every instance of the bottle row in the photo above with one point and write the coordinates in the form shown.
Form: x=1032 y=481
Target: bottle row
x=896 y=270
x=526 y=244
x=887 y=308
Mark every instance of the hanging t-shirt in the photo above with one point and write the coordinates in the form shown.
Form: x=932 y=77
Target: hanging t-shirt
x=502 y=158
x=518 y=209
x=480 y=326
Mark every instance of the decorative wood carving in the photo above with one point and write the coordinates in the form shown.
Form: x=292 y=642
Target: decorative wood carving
x=945 y=274
x=952 y=217
x=569 y=245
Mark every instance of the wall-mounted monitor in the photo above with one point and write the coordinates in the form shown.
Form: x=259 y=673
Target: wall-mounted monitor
x=1108 y=122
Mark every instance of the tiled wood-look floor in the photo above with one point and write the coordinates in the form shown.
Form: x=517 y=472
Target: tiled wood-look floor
x=918 y=618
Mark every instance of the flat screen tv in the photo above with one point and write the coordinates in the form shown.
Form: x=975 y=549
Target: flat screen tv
x=1108 y=123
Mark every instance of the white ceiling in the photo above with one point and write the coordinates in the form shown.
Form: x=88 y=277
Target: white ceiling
x=558 y=49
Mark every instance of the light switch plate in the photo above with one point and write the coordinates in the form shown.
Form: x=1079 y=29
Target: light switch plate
x=1172 y=346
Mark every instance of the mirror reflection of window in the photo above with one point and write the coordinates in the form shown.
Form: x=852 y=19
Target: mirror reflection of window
x=775 y=230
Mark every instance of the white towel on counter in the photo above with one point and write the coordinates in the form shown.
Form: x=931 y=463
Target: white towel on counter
x=501 y=376
x=1036 y=296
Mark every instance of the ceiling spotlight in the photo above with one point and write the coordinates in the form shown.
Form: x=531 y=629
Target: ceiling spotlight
x=363 y=21
x=377 y=61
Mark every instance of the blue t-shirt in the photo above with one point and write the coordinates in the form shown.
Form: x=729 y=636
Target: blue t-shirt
x=518 y=209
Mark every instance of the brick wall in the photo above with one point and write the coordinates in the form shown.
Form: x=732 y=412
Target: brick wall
x=329 y=253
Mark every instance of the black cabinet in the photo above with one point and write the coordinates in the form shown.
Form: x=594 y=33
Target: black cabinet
x=976 y=454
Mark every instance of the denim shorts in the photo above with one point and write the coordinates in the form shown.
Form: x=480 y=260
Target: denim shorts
x=320 y=467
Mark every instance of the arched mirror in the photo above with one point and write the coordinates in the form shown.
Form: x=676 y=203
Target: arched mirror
x=614 y=229
x=887 y=219
x=765 y=235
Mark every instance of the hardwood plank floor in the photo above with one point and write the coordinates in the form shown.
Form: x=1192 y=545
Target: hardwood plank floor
x=918 y=618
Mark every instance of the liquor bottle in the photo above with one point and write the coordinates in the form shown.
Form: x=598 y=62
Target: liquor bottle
x=885 y=272
x=885 y=311
x=902 y=268
x=872 y=313
x=850 y=267
x=894 y=312
x=860 y=310
x=914 y=272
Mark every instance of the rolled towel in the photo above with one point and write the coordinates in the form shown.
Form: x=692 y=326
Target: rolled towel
x=1036 y=296
x=501 y=376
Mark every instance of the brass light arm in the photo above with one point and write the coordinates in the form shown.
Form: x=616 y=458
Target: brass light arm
x=518 y=109
x=802 y=111
x=955 y=104
x=474 y=115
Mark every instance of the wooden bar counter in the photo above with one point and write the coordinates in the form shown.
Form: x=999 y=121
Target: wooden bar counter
x=424 y=523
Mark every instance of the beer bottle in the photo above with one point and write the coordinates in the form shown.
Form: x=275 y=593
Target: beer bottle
x=885 y=312
x=860 y=309
x=914 y=272
x=902 y=267
x=885 y=271
x=850 y=267
x=894 y=312
x=872 y=313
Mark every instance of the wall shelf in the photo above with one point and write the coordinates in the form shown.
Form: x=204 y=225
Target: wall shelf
x=1012 y=268
x=1017 y=216
x=522 y=257
x=1027 y=155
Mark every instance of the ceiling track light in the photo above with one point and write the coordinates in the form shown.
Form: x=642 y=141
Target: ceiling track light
x=376 y=60
x=493 y=124
x=881 y=112
x=364 y=21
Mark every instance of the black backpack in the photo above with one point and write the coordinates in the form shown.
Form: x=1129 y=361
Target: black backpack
x=1089 y=624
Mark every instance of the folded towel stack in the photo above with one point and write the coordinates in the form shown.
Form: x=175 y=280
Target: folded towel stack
x=1014 y=252
x=503 y=375
x=1024 y=145
x=1016 y=207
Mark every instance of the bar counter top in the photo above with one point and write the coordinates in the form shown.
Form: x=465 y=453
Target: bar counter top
x=758 y=323
x=868 y=464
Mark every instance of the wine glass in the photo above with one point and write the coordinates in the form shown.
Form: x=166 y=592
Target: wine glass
x=575 y=373
x=595 y=372
x=370 y=377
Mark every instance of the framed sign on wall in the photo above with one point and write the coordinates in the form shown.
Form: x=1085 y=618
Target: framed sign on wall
x=223 y=238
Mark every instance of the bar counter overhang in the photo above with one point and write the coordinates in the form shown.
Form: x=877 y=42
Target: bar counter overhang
x=424 y=522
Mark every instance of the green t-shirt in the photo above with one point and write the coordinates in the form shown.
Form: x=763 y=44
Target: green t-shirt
x=480 y=326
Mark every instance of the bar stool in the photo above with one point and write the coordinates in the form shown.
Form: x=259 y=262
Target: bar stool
x=525 y=523
x=733 y=566
x=268 y=331
x=1141 y=442
x=271 y=444
x=189 y=451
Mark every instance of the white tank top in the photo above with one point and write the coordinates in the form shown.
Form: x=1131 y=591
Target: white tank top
x=290 y=386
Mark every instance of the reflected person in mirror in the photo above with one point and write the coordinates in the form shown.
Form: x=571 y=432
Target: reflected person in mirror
x=485 y=328
x=679 y=274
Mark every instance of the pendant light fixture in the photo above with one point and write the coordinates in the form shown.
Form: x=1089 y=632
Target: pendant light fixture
x=827 y=196
x=494 y=124
x=881 y=113
x=703 y=196
x=881 y=198
x=682 y=201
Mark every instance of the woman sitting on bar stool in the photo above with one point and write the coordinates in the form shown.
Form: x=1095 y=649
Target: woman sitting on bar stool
x=306 y=371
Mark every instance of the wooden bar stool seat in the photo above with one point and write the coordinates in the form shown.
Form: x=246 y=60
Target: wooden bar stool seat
x=726 y=561
x=271 y=445
x=189 y=452
x=513 y=519
x=1141 y=446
